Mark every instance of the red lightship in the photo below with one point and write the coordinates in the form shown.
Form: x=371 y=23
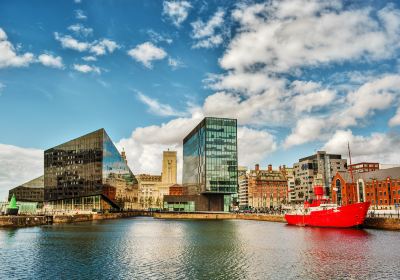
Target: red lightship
x=320 y=213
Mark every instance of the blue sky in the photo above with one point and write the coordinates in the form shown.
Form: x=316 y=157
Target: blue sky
x=298 y=75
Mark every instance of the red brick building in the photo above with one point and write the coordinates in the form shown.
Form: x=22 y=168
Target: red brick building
x=380 y=187
x=177 y=190
x=267 y=188
x=343 y=190
x=362 y=167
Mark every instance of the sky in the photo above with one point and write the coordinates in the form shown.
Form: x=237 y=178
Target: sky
x=299 y=75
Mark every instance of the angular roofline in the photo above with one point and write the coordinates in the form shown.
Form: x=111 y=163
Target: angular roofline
x=85 y=135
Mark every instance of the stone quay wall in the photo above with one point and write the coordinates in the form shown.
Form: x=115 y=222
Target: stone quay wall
x=27 y=221
x=382 y=223
x=219 y=216
x=23 y=221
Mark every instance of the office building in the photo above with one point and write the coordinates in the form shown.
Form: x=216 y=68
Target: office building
x=32 y=191
x=88 y=173
x=363 y=167
x=209 y=166
x=243 y=191
x=307 y=169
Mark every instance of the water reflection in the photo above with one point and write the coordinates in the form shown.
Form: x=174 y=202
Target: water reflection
x=143 y=248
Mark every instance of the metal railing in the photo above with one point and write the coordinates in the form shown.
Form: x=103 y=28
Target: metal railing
x=373 y=214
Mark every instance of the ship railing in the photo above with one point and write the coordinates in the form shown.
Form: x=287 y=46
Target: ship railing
x=373 y=214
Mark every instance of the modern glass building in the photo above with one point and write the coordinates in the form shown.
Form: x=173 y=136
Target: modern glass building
x=32 y=191
x=88 y=173
x=210 y=163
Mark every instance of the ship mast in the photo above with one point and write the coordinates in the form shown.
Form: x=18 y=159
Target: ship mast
x=351 y=168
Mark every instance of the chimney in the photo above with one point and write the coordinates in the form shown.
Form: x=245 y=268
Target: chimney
x=269 y=167
x=257 y=167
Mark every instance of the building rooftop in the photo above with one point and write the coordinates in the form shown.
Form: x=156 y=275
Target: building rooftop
x=380 y=175
x=36 y=183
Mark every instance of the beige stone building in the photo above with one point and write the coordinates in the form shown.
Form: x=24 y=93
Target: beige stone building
x=152 y=188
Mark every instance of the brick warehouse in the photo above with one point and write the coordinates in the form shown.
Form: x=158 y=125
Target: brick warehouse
x=380 y=187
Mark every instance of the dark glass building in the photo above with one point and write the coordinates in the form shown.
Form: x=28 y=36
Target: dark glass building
x=210 y=164
x=88 y=173
x=32 y=191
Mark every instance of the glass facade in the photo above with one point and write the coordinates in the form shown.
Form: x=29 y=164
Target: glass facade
x=210 y=157
x=88 y=166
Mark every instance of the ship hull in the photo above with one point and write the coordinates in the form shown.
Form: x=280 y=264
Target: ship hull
x=341 y=217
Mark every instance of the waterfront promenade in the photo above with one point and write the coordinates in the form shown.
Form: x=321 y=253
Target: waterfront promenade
x=372 y=221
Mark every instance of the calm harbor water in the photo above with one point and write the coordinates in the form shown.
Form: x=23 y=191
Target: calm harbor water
x=145 y=248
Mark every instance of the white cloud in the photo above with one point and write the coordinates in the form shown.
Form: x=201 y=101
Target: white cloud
x=157 y=108
x=395 y=120
x=176 y=11
x=9 y=56
x=175 y=63
x=77 y=1
x=84 y=68
x=371 y=96
x=18 y=165
x=97 y=47
x=104 y=46
x=51 y=61
x=381 y=147
x=79 y=14
x=306 y=130
x=307 y=102
x=89 y=58
x=277 y=34
x=146 y=53
x=254 y=145
x=68 y=42
x=79 y=29
x=205 y=34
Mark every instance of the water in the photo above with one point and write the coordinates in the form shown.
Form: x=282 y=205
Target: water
x=143 y=248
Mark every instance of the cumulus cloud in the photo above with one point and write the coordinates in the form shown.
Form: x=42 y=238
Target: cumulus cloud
x=381 y=147
x=79 y=29
x=51 y=61
x=84 y=68
x=395 y=120
x=176 y=11
x=146 y=53
x=156 y=107
x=254 y=145
x=371 y=96
x=67 y=42
x=9 y=56
x=104 y=46
x=306 y=130
x=98 y=48
x=18 y=165
x=277 y=34
x=205 y=33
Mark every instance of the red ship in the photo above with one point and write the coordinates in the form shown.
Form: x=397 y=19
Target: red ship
x=320 y=213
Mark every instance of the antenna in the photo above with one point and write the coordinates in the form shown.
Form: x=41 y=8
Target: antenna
x=351 y=167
